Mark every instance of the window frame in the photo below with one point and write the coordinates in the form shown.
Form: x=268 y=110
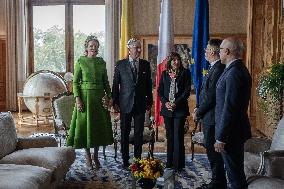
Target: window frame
x=69 y=34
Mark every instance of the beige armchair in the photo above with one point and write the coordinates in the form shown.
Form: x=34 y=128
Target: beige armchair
x=265 y=157
x=62 y=106
x=30 y=162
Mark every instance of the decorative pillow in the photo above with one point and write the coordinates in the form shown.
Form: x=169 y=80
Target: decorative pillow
x=8 y=135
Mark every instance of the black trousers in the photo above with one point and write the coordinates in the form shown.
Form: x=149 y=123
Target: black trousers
x=233 y=158
x=215 y=158
x=125 y=126
x=175 y=142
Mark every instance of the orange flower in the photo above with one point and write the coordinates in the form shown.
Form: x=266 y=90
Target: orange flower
x=147 y=168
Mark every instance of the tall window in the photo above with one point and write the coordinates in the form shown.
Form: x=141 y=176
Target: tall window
x=88 y=19
x=58 y=29
x=49 y=38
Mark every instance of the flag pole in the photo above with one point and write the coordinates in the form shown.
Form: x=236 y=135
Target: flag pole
x=165 y=46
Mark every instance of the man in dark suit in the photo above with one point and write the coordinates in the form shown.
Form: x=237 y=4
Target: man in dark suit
x=132 y=96
x=205 y=112
x=233 y=91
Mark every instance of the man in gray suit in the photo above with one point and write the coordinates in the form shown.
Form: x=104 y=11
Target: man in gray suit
x=233 y=91
x=132 y=96
x=205 y=112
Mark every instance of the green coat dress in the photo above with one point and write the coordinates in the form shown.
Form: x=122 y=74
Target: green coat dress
x=92 y=127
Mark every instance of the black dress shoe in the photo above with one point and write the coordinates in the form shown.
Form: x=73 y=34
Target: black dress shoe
x=211 y=186
x=178 y=170
x=204 y=186
x=169 y=165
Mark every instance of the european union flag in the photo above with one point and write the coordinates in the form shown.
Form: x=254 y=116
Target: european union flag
x=199 y=65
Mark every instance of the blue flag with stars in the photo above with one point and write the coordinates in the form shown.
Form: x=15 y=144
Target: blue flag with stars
x=199 y=65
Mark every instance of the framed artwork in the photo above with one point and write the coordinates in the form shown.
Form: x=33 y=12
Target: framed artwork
x=150 y=51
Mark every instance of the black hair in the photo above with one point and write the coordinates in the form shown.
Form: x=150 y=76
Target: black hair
x=170 y=58
x=215 y=44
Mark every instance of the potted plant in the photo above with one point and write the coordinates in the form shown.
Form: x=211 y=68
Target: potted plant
x=270 y=90
x=146 y=171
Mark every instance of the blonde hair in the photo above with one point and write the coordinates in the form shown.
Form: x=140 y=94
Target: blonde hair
x=91 y=38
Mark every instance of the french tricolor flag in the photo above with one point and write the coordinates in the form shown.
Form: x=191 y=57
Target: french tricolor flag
x=165 y=46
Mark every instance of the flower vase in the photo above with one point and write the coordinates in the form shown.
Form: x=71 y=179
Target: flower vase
x=146 y=183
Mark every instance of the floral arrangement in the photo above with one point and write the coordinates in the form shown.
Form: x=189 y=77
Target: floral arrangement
x=150 y=168
x=271 y=85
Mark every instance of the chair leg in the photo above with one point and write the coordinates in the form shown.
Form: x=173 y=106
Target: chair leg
x=157 y=133
x=104 y=151
x=192 y=150
x=115 y=149
x=59 y=141
x=152 y=149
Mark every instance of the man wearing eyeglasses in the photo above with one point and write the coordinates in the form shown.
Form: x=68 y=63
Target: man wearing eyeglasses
x=205 y=112
x=232 y=128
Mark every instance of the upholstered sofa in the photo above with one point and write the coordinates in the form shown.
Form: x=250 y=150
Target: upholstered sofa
x=30 y=163
x=258 y=150
x=264 y=161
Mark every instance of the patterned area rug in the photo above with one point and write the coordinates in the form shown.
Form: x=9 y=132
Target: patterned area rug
x=111 y=175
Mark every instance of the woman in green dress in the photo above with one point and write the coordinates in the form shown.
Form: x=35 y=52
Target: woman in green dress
x=91 y=123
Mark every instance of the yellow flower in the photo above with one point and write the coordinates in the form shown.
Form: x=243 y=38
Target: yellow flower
x=147 y=168
x=136 y=174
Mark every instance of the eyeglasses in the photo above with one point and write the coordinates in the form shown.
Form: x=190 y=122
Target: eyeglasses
x=221 y=48
x=208 y=49
x=225 y=48
x=212 y=49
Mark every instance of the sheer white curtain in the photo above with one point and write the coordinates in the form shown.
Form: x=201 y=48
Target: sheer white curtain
x=16 y=50
x=111 y=36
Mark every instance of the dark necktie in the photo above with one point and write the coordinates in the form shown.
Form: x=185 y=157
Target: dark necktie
x=134 y=69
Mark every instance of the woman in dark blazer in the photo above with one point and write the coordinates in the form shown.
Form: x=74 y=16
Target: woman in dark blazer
x=174 y=90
